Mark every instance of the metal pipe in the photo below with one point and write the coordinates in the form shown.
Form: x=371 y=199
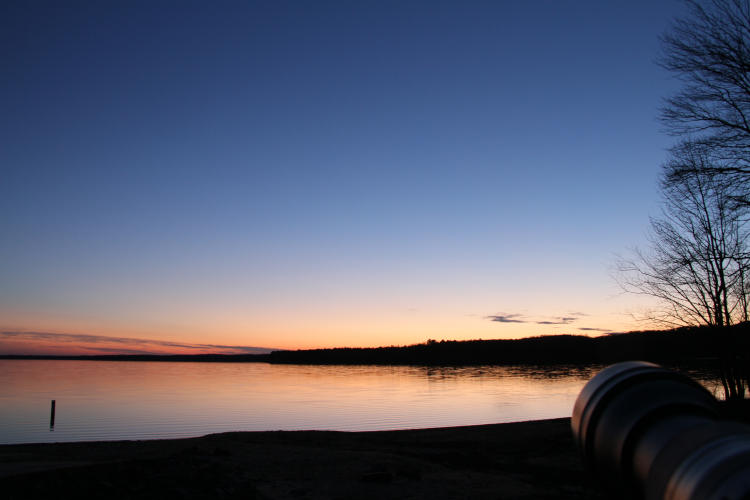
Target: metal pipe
x=651 y=433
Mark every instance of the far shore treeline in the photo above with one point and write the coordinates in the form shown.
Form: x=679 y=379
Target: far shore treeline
x=687 y=345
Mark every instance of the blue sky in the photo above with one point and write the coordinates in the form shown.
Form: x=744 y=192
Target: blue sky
x=297 y=174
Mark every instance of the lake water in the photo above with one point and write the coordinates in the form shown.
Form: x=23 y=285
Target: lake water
x=111 y=400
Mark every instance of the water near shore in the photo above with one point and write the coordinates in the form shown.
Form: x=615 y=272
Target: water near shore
x=97 y=400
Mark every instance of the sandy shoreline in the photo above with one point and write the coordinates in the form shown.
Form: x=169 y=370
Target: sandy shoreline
x=535 y=459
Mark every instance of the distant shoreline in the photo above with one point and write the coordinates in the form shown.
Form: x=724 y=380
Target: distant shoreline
x=688 y=345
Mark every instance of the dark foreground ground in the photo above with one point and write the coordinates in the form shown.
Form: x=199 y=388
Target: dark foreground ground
x=530 y=460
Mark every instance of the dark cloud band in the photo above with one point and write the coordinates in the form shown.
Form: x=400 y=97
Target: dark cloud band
x=128 y=345
x=519 y=318
x=506 y=318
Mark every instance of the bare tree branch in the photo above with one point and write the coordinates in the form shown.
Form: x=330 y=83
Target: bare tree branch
x=697 y=264
x=709 y=52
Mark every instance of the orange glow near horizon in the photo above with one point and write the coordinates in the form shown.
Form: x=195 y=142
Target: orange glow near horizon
x=230 y=328
x=225 y=338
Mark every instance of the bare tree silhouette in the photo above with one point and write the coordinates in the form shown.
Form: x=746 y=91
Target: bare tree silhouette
x=709 y=52
x=697 y=261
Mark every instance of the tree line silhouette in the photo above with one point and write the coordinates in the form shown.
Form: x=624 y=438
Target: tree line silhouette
x=686 y=345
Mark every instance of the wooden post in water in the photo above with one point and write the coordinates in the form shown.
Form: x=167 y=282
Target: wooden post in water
x=52 y=416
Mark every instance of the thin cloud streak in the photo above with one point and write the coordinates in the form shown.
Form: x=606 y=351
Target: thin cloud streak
x=554 y=320
x=565 y=320
x=123 y=345
x=506 y=318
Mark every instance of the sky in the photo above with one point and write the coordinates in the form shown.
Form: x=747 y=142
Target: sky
x=216 y=176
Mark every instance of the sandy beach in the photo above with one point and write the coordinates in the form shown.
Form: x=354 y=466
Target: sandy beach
x=535 y=459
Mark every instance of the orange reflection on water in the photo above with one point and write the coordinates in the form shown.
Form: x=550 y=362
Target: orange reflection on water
x=148 y=400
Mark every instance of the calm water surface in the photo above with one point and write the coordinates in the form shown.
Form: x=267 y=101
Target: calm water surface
x=149 y=400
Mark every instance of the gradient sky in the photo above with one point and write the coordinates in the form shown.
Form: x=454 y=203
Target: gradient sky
x=302 y=174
